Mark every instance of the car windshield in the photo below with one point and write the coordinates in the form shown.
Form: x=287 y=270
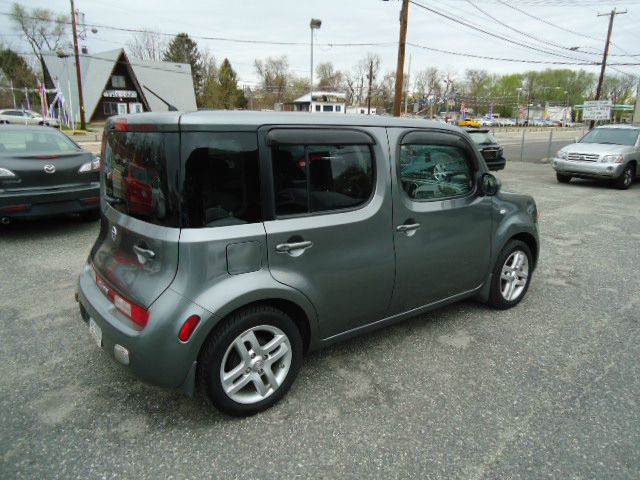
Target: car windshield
x=614 y=136
x=29 y=141
x=482 y=138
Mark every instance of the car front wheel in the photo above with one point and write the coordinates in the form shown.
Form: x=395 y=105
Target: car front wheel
x=250 y=361
x=511 y=275
x=625 y=179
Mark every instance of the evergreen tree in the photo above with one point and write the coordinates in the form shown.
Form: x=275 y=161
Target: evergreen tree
x=184 y=50
x=221 y=90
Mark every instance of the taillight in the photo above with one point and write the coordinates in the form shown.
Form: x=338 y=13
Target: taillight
x=188 y=328
x=136 y=313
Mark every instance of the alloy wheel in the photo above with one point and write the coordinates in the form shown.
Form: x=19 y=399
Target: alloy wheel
x=255 y=364
x=514 y=275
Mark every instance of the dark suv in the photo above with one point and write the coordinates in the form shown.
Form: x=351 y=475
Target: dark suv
x=489 y=147
x=251 y=238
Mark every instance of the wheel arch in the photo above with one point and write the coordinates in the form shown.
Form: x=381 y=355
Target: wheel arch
x=530 y=241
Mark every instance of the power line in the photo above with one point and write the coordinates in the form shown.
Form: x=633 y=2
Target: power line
x=494 y=35
x=560 y=27
x=515 y=60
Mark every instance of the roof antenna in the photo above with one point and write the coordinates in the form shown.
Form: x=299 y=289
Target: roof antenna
x=171 y=107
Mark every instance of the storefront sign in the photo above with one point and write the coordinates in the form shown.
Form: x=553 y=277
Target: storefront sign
x=120 y=94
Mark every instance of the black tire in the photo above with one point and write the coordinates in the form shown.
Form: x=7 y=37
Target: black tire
x=90 y=215
x=496 y=299
x=626 y=178
x=563 y=178
x=213 y=351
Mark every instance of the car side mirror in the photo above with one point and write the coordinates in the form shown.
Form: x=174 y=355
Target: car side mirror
x=490 y=184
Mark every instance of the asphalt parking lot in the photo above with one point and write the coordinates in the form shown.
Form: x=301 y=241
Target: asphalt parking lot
x=548 y=389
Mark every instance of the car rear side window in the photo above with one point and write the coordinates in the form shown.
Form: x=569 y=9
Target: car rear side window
x=321 y=178
x=435 y=172
x=139 y=171
x=221 y=179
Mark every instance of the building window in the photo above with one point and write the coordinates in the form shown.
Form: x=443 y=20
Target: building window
x=317 y=108
x=118 y=81
x=327 y=108
x=338 y=108
x=110 y=108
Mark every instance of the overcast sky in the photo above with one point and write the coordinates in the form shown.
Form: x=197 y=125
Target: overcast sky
x=361 y=21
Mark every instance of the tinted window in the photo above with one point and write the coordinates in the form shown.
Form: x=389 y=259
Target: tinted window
x=28 y=141
x=616 y=136
x=483 y=138
x=327 y=108
x=222 y=184
x=139 y=175
x=316 y=178
x=431 y=172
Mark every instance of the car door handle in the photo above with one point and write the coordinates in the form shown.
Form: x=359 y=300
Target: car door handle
x=294 y=248
x=144 y=254
x=408 y=227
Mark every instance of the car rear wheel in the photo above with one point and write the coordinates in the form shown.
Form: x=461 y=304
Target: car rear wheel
x=625 y=179
x=250 y=361
x=563 y=178
x=511 y=275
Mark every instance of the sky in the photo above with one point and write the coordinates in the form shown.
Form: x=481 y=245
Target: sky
x=365 y=21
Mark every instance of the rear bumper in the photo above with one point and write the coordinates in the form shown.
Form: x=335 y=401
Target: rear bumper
x=155 y=353
x=44 y=202
x=588 y=169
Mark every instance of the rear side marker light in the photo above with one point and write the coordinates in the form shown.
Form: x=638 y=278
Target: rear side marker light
x=188 y=328
x=90 y=200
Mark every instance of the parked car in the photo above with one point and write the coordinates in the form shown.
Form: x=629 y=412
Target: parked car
x=43 y=172
x=489 y=147
x=610 y=152
x=283 y=233
x=26 y=117
x=487 y=122
x=469 y=122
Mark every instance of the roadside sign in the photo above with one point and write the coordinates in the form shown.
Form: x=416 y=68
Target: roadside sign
x=597 y=110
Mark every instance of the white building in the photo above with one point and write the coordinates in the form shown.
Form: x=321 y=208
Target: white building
x=321 y=102
x=362 y=110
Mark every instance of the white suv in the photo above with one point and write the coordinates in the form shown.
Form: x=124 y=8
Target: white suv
x=609 y=152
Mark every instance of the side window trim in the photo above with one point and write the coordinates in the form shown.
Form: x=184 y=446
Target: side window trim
x=470 y=157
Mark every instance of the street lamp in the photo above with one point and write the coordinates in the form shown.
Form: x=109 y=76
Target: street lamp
x=315 y=24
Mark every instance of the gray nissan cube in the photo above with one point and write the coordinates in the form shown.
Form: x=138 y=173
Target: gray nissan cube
x=231 y=243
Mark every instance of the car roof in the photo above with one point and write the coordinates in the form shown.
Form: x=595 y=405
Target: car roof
x=253 y=118
x=620 y=125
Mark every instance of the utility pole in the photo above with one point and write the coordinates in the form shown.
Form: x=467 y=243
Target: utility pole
x=83 y=123
x=612 y=15
x=397 y=101
x=369 y=89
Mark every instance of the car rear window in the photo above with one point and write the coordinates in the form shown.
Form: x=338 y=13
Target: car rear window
x=221 y=179
x=139 y=174
x=30 y=141
x=482 y=138
x=614 y=136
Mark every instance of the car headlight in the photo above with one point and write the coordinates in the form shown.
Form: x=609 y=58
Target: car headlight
x=92 y=166
x=6 y=173
x=561 y=154
x=613 y=158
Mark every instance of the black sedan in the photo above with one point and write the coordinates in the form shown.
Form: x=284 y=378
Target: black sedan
x=489 y=147
x=43 y=172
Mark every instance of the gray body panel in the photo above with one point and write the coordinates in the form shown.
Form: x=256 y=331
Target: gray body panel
x=358 y=275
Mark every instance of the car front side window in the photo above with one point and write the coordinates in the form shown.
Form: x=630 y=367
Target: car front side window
x=435 y=172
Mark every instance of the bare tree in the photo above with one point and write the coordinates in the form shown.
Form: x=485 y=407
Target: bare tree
x=428 y=82
x=274 y=77
x=147 y=45
x=43 y=29
x=329 y=78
